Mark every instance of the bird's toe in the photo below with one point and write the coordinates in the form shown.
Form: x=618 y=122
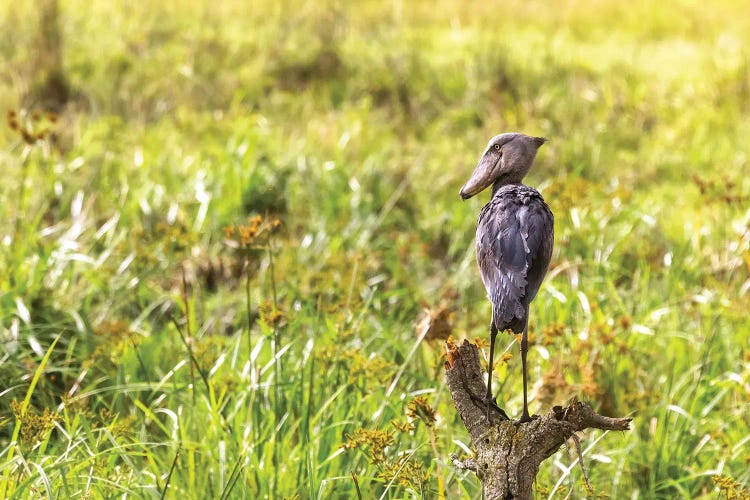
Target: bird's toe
x=525 y=418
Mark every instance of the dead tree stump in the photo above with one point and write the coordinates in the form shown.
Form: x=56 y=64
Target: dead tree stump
x=508 y=454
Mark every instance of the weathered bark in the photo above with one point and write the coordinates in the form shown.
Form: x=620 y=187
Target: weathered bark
x=508 y=454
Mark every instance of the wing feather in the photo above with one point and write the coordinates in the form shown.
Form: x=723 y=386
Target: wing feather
x=514 y=245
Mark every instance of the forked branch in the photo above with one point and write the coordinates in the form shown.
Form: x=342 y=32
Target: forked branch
x=508 y=454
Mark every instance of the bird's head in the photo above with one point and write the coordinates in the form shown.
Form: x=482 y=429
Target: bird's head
x=507 y=159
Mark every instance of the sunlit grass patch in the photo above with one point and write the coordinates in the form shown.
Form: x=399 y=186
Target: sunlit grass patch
x=203 y=350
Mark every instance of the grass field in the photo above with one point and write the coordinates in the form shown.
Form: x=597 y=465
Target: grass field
x=221 y=223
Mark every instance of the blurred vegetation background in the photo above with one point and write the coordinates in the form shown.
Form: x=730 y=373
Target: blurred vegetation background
x=226 y=227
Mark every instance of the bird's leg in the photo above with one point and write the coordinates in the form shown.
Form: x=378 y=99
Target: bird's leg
x=525 y=417
x=493 y=335
x=489 y=399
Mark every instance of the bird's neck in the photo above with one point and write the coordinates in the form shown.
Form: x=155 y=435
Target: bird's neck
x=504 y=180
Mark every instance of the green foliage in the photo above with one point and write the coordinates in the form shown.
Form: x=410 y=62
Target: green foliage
x=214 y=253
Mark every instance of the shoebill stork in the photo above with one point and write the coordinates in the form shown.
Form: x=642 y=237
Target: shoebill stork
x=514 y=240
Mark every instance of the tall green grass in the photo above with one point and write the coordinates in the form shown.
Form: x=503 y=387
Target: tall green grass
x=149 y=354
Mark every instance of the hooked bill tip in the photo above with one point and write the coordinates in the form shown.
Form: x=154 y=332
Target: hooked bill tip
x=464 y=195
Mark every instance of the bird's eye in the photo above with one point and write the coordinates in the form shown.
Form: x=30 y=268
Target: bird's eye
x=497 y=147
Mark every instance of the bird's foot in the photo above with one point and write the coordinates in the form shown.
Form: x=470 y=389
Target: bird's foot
x=525 y=418
x=491 y=407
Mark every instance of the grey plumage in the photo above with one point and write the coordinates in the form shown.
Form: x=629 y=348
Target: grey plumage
x=514 y=246
x=514 y=238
